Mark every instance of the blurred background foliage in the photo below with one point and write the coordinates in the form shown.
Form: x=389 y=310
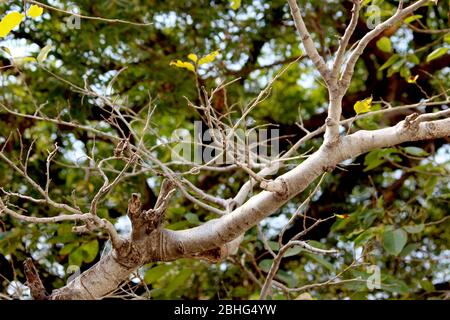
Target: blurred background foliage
x=393 y=203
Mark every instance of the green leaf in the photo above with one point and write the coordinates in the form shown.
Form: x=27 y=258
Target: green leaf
x=413 y=58
x=192 y=218
x=179 y=281
x=394 y=241
x=416 y=151
x=437 y=53
x=405 y=72
x=384 y=44
x=365 y=236
x=413 y=18
x=394 y=285
x=293 y=252
x=377 y=157
x=76 y=257
x=287 y=277
x=395 y=67
x=68 y=248
x=389 y=62
x=418 y=228
x=156 y=273
x=317 y=244
x=430 y=185
x=273 y=245
x=447 y=38
x=408 y=249
x=321 y=261
x=427 y=285
x=265 y=264
x=90 y=251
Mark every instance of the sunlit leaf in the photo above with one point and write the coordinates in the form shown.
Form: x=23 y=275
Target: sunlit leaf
x=35 y=11
x=436 y=54
x=183 y=64
x=208 y=58
x=393 y=59
x=156 y=273
x=413 y=18
x=363 y=105
x=447 y=38
x=9 y=22
x=193 y=57
x=235 y=4
x=19 y=61
x=384 y=44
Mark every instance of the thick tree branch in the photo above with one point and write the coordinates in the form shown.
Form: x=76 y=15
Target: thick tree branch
x=168 y=245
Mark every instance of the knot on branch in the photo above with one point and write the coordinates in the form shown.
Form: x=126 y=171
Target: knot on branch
x=34 y=281
x=122 y=149
x=331 y=122
x=278 y=186
x=128 y=255
x=220 y=253
x=411 y=122
x=89 y=226
x=145 y=222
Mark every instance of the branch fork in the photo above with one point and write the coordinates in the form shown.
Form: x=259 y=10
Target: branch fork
x=146 y=222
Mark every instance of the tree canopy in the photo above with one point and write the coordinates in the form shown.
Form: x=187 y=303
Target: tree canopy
x=93 y=93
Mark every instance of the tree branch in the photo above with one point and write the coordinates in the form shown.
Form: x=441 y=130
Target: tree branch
x=397 y=17
x=307 y=41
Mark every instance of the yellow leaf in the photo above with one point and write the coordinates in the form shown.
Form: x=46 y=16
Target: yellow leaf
x=208 y=58
x=363 y=106
x=193 y=57
x=29 y=59
x=9 y=22
x=35 y=11
x=91 y=187
x=20 y=61
x=183 y=64
x=235 y=4
x=412 y=79
x=341 y=216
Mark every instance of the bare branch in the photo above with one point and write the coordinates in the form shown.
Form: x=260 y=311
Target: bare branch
x=343 y=43
x=307 y=41
x=397 y=17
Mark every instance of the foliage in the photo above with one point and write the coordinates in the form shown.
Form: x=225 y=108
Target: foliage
x=389 y=207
